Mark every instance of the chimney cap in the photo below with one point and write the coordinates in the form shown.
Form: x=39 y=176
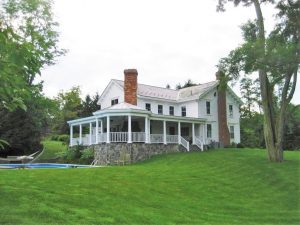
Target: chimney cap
x=131 y=71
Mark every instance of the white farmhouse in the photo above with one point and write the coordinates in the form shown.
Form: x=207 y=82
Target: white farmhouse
x=132 y=112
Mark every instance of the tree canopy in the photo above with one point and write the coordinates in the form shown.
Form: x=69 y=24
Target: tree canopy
x=276 y=58
x=28 y=43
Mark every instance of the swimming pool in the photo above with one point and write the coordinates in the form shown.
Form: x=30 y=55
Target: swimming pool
x=41 y=165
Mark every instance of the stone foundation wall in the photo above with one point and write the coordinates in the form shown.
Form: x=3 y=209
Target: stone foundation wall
x=116 y=153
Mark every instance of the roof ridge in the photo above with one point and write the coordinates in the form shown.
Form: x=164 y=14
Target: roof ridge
x=171 y=88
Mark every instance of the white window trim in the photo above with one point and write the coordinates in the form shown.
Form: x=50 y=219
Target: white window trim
x=208 y=114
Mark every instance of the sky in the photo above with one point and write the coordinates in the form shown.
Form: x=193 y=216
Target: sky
x=167 y=41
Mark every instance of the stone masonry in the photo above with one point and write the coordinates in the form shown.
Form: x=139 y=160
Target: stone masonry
x=121 y=153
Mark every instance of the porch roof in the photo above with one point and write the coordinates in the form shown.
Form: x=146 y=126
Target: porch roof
x=82 y=120
x=128 y=109
x=177 y=118
x=123 y=107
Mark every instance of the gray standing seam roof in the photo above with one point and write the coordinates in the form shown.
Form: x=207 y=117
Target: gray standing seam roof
x=171 y=94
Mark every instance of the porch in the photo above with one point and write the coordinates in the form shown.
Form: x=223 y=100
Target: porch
x=137 y=126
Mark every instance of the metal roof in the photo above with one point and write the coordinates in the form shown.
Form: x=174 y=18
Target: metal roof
x=188 y=93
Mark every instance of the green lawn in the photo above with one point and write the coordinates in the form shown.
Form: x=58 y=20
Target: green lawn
x=215 y=187
x=52 y=149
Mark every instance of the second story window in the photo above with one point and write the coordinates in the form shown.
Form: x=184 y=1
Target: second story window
x=183 y=111
x=148 y=106
x=231 y=111
x=114 y=101
x=208 y=131
x=160 y=109
x=171 y=110
x=208 y=108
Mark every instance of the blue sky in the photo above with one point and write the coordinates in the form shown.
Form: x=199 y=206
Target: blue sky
x=167 y=41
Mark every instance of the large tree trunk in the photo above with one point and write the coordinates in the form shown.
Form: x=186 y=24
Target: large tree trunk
x=275 y=152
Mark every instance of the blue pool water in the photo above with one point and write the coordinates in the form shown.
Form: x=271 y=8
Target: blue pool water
x=41 y=165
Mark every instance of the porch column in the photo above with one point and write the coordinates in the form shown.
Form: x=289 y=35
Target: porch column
x=129 y=140
x=90 y=134
x=80 y=134
x=146 y=131
x=108 y=129
x=193 y=133
x=149 y=131
x=179 y=133
x=101 y=123
x=97 y=131
x=71 y=135
x=203 y=131
x=165 y=132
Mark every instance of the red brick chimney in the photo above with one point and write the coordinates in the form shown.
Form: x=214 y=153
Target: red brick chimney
x=224 y=136
x=130 y=86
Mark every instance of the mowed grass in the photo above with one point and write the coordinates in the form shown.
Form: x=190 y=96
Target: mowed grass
x=216 y=187
x=52 y=149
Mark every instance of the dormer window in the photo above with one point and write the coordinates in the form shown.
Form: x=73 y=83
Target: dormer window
x=114 y=101
x=160 y=109
x=148 y=106
x=183 y=111
x=230 y=111
x=208 y=108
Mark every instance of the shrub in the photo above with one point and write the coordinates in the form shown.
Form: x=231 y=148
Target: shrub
x=240 y=145
x=72 y=155
x=54 y=137
x=87 y=156
x=64 y=138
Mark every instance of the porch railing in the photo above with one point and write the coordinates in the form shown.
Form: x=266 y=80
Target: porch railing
x=102 y=137
x=199 y=143
x=185 y=143
x=157 y=138
x=118 y=136
x=173 y=139
x=138 y=137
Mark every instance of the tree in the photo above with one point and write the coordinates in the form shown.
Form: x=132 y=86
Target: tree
x=90 y=105
x=28 y=42
x=188 y=83
x=69 y=103
x=276 y=58
x=250 y=96
x=24 y=129
x=292 y=128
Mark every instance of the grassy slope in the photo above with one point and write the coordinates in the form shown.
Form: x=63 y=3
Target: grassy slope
x=52 y=148
x=217 y=187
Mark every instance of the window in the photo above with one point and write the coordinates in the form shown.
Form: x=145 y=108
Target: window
x=114 y=101
x=160 y=109
x=171 y=110
x=208 y=130
x=148 y=106
x=231 y=130
x=208 y=108
x=183 y=111
x=230 y=111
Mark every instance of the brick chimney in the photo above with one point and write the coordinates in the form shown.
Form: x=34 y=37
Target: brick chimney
x=130 y=86
x=224 y=136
